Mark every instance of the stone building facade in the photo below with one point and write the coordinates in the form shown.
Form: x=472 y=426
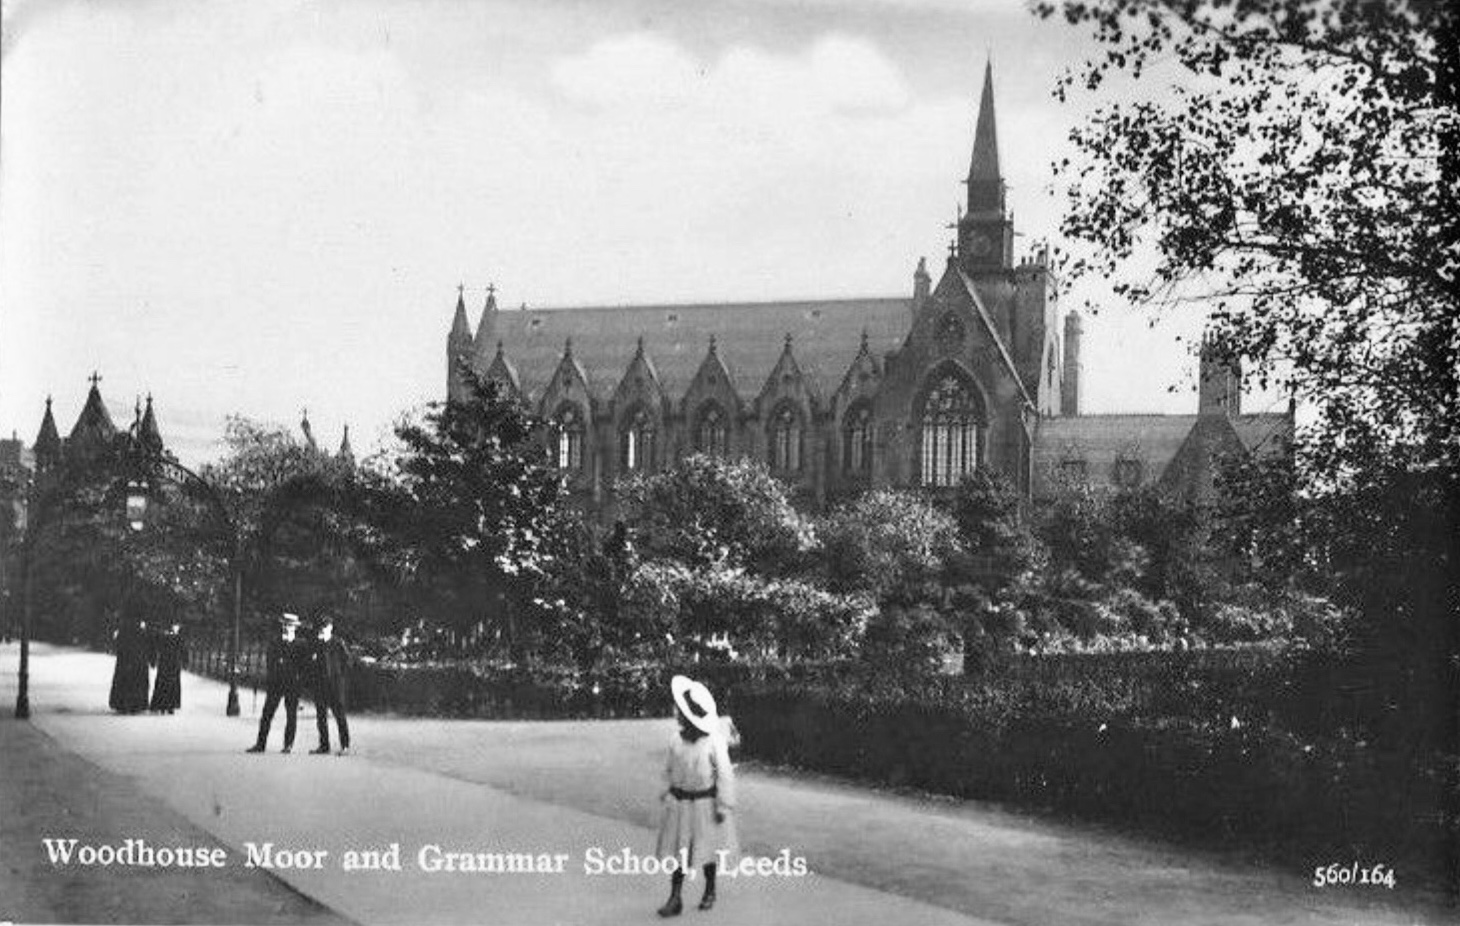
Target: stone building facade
x=838 y=396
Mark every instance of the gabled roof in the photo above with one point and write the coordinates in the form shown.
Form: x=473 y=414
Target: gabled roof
x=750 y=338
x=1153 y=441
x=993 y=331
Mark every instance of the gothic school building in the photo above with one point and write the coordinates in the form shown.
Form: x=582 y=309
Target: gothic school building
x=838 y=396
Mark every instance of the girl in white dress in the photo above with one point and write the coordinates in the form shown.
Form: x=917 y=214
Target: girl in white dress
x=698 y=826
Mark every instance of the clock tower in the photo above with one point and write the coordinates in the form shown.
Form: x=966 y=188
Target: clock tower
x=985 y=232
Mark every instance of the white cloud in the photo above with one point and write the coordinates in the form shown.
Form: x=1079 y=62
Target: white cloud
x=629 y=69
x=836 y=72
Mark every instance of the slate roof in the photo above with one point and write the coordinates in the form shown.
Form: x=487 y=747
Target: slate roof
x=1151 y=440
x=750 y=336
x=94 y=428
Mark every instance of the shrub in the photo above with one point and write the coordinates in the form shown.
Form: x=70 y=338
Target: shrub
x=888 y=544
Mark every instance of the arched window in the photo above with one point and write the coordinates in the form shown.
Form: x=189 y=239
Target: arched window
x=710 y=433
x=785 y=440
x=569 y=427
x=949 y=433
x=637 y=443
x=857 y=440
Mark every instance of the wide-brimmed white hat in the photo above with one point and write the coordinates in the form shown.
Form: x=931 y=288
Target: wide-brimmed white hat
x=695 y=702
x=289 y=620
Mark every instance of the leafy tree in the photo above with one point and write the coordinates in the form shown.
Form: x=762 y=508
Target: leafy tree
x=994 y=532
x=1298 y=177
x=462 y=513
x=706 y=509
x=288 y=501
x=891 y=544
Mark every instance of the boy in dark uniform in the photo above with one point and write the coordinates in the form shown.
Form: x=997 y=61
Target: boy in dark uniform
x=329 y=663
x=285 y=661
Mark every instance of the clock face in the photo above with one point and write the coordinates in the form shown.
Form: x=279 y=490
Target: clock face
x=980 y=244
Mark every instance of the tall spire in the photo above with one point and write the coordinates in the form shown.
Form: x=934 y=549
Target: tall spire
x=486 y=328
x=308 y=431
x=458 y=351
x=460 y=329
x=985 y=231
x=985 y=181
x=347 y=453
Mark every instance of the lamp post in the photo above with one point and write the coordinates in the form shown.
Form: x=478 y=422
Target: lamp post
x=149 y=466
x=22 y=694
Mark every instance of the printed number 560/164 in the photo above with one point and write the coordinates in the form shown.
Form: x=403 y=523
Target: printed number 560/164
x=1375 y=876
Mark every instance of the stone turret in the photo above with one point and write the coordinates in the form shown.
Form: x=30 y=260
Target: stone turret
x=922 y=286
x=47 y=441
x=1220 y=389
x=458 y=351
x=1073 y=366
x=148 y=432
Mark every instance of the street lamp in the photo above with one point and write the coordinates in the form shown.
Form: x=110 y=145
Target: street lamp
x=22 y=694
x=163 y=468
x=136 y=504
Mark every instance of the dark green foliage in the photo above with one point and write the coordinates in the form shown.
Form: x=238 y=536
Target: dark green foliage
x=1300 y=180
x=889 y=544
x=461 y=516
x=1166 y=745
x=995 y=534
x=707 y=509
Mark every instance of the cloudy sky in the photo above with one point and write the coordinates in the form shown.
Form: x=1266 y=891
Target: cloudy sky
x=260 y=207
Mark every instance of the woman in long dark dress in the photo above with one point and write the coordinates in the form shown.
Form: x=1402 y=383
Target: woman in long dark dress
x=169 y=653
x=129 y=679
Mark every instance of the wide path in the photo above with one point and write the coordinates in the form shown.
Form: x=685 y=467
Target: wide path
x=573 y=788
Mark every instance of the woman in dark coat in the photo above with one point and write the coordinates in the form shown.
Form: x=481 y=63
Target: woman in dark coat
x=168 y=654
x=129 y=678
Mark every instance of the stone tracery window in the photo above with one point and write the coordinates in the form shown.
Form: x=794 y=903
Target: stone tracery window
x=636 y=444
x=569 y=428
x=857 y=440
x=949 y=446
x=785 y=440
x=710 y=432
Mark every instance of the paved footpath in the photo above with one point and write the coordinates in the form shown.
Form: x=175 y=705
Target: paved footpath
x=556 y=788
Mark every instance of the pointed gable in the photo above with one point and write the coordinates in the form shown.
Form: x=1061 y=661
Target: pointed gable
x=346 y=453
x=640 y=386
x=568 y=384
x=862 y=378
x=713 y=381
x=503 y=372
x=987 y=321
x=1192 y=471
x=788 y=381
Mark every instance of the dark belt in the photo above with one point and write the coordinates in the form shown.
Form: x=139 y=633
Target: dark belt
x=681 y=794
